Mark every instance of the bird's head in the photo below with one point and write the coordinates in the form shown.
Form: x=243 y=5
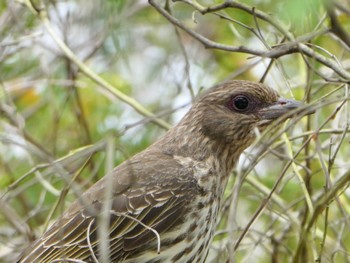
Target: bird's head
x=223 y=121
x=229 y=113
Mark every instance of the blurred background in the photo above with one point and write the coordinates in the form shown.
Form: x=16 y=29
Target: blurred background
x=84 y=85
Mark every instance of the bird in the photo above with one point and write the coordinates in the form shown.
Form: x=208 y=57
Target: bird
x=164 y=201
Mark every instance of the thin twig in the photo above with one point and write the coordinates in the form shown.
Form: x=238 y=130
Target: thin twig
x=42 y=15
x=293 y=46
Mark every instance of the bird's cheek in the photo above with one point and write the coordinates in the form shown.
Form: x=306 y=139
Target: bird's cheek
x=262 y=124
x=257 y=120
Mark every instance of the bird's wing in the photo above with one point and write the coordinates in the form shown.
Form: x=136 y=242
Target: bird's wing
x=147 y=201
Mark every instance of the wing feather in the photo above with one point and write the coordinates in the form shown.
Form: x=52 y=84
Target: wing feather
x=144 y=192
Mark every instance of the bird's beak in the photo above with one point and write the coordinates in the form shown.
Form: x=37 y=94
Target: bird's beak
x=279 y=108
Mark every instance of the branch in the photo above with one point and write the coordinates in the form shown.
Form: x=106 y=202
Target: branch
x=336 y=27
x=274 y=53
x=294 y=46
x=234 y=4
x=91 y=74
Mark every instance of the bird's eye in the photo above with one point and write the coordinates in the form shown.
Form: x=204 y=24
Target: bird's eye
x=240 y=103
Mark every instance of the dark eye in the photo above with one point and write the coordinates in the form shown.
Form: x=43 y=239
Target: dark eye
x=240 y=103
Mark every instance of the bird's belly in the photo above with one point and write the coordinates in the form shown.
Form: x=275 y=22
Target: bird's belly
x=190 y=241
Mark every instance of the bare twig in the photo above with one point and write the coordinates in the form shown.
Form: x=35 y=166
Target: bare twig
x=42 y=15
x=336 y=27
x=293 y=46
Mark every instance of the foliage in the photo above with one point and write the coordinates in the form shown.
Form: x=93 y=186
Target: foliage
x=86 y=84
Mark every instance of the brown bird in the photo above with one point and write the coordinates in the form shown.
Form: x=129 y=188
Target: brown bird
x=165 y=200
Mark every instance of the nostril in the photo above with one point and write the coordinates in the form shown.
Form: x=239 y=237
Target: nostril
x=288 y=103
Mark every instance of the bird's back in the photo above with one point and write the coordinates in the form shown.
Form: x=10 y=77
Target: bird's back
x=149 y=197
